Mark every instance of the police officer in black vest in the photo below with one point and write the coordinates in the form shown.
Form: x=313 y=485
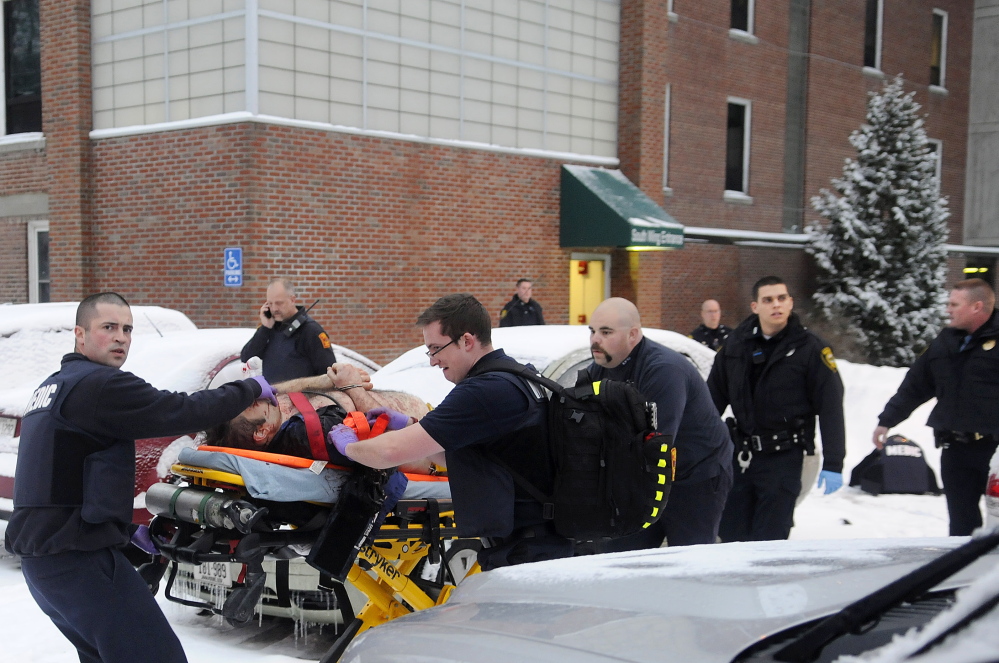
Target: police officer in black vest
x=289 y=342
x=522 y=310
x=489 y=419
x=711 y=332
x=74 y=482
x=960 y=369
x=778 y=377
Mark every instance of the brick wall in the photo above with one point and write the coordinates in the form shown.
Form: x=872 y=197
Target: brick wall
x=377 y=229
x=23 y=171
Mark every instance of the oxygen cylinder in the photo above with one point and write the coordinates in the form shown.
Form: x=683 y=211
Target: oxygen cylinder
x=201 y=506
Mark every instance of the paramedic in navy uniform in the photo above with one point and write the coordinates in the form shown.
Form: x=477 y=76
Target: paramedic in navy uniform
x=74 y=485
x=486 y=416
x=685 y=412
x=289 y=342
x=961 y=369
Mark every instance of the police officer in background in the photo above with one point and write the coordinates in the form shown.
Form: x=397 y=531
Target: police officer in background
x=961 y=369
x=289 y=342
x=522 y=310
x=777 y=376
x=711 y=332
x=74 y=484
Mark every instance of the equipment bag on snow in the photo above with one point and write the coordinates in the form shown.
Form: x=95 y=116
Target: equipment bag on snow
x=613 y=471
x=898 y=468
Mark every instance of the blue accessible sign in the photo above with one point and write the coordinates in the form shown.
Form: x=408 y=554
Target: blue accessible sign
x=232 y=273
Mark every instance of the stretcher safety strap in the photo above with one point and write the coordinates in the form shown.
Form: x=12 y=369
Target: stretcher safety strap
x=314 y=428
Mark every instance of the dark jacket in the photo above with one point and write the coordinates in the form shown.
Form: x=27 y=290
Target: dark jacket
x=289 y=350
x=75 y=474
x=517 y=314
x=796 y=381
x=685 y=411
x=964 y=382
x=713 y=338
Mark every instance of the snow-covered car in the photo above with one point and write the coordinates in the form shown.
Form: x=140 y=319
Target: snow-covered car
x=168 y=351
x=992 y=493
x=763 y=601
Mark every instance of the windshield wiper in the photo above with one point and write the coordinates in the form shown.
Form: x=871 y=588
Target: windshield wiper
x=809 y=645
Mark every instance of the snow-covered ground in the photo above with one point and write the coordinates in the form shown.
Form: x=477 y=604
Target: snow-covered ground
x=29 y=637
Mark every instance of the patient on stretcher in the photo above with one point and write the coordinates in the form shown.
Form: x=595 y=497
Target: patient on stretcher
x=283 y=430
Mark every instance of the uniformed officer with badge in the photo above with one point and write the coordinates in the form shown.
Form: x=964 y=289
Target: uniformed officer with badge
x=777 y=376
x=960 y=369
x=523 y=309
x=290 y=343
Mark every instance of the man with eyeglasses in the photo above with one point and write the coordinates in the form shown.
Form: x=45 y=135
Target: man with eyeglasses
x=490 y=423
x=778 y=377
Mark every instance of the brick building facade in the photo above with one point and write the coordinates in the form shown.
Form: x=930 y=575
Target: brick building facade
x=168 y=138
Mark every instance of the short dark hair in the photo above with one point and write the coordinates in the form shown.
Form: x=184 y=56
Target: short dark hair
x=765 y=281
x=87 y=310
x=237 y=433
x=978 y=291
x=519 y=281
x=459 y=314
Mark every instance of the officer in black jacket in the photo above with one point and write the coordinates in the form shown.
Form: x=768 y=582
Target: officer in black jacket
x=711 y=332
x=522 y=310
x=777 y=376
x=74 y=484
x=961 y=369
x=289 y=342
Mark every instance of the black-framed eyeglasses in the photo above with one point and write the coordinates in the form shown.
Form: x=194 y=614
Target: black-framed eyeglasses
x=433 y=353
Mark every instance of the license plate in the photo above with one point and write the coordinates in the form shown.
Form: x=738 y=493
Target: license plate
x=213 y=573
x=7 y=426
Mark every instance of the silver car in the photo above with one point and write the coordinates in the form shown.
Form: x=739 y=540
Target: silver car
x=709 y=604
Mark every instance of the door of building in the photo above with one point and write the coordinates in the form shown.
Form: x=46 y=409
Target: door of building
x=587 y=287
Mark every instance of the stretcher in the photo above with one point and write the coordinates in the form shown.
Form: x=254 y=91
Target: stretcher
x=209 y=519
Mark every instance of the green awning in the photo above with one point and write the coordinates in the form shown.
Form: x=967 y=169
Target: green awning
x=601 y=207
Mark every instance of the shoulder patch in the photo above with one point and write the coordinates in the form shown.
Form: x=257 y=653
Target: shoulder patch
x=503 y=313
x=828 y=359
x=989 y=344
x=324 y=339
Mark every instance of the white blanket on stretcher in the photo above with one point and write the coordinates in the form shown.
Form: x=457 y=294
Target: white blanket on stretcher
x=278 y=483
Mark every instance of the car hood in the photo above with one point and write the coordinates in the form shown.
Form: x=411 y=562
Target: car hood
x=698 y=603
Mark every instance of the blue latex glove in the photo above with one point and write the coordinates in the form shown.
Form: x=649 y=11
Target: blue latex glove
x=396 y=421
x=266 y=390
x=143 y=540
x=340 y=436
x=832 y=480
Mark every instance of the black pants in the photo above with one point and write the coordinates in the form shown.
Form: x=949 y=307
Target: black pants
x=760 y=506
x=103 y=607
x=964 y=468
x=692 y=515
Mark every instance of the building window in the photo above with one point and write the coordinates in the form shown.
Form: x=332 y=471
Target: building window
x=737 y=146
x=22 y=68
x=669 y=92
x=39 y=283
x=938 y=49
x=742 y=15
x=936 y=149
x=872 y=34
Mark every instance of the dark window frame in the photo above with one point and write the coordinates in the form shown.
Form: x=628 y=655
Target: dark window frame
x=22 y=73
x=738 y=129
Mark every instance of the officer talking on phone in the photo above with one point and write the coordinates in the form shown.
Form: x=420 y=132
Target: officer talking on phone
x=289 y=342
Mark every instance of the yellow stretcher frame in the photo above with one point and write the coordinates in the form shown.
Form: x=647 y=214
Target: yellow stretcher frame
x=391 y=557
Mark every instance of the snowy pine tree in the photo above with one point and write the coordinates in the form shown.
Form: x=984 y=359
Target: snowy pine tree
x=880 y=255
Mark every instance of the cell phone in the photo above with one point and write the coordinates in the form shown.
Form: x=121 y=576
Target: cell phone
x=267 y=313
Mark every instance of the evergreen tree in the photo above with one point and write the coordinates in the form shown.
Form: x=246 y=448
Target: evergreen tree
x=880 y=255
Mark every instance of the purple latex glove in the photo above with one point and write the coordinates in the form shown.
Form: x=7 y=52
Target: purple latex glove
x=266 y=390
x=340 y=436
x=144 y=541
x=396 y=420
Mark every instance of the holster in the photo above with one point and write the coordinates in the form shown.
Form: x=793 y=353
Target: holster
x=945 y=438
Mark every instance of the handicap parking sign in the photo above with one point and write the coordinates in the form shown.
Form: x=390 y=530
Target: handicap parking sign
x=232 y=271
